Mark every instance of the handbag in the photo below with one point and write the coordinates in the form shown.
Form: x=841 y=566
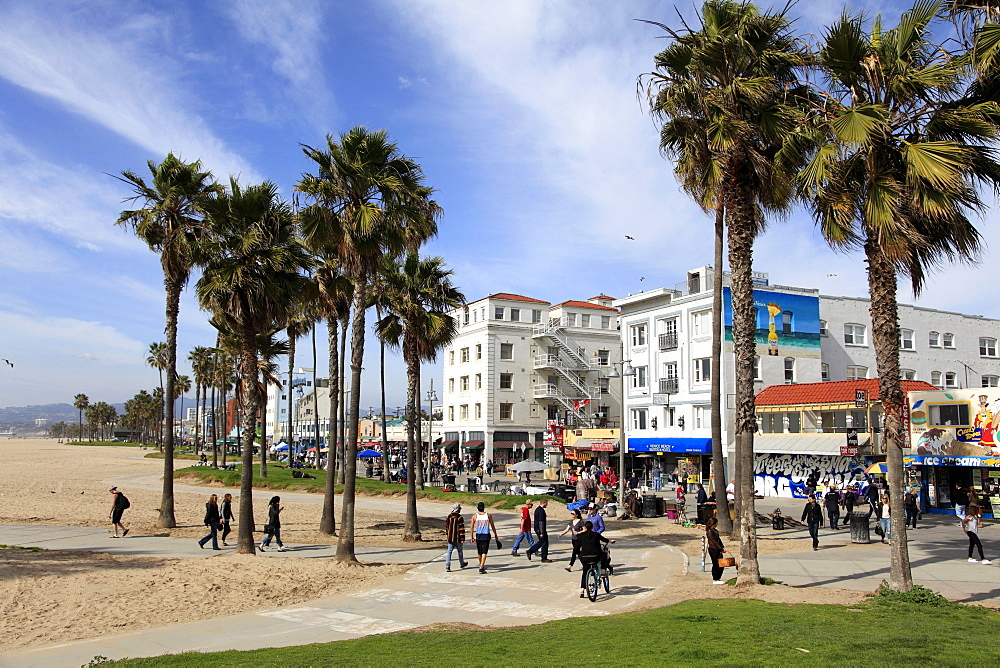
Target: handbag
x=878 y=530
x=725 y=562
x=499 y=544
x=268 y=528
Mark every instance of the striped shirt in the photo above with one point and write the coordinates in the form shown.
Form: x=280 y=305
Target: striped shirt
x=481 y=525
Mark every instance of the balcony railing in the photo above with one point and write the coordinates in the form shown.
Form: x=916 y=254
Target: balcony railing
x=668 y=341
x=668 y=386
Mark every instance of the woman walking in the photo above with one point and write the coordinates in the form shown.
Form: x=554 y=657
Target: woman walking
x=884 y=519
x=573 y=528
x=227 y=517
x=812 y=515
x=274 y=522
x=482 y=527
x=715 y=550
x=213 y=520
x=970 y=525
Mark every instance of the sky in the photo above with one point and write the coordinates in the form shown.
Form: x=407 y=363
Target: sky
x=524 y=115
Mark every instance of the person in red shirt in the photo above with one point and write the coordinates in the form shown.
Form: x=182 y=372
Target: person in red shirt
x=525 y=529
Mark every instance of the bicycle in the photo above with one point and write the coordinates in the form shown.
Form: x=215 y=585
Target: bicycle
x=595 y=576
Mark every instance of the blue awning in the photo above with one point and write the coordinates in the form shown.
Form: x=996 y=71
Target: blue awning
x=670 y=444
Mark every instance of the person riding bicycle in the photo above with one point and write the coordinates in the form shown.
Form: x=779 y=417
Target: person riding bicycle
x=591 y=551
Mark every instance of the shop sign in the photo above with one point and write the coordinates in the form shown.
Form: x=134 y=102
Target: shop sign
x=570 y=453
x=860 y=398
x=995 y=474
x=849 y=451
x=603 y=447
x=968 y=434
x=927 y=460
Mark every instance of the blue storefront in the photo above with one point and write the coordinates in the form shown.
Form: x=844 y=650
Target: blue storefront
x=690 y=457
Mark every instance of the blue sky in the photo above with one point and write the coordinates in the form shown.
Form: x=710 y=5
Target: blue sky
x=523 y=114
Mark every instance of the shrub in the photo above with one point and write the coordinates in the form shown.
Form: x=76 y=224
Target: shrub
x=919 y=594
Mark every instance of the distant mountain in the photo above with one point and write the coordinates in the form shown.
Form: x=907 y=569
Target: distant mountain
x=24 y=416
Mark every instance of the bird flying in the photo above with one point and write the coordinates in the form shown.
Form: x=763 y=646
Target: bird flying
x=628 y=237
x=9 y=363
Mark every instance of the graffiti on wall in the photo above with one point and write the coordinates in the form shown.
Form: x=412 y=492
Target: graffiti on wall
x=786 y=475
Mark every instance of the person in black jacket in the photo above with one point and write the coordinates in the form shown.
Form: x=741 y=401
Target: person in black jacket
x=227 y=517
x=812 y=515
x=541 y=528
x=213 y=520
x=274 y=509
x=715 y=550
x=591 y=551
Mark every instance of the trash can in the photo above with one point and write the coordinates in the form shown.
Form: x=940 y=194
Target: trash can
x=705 y=510
x=778 y=522
x=472 y=485
x=649 y=506
x=660 y=506
x=859 y=527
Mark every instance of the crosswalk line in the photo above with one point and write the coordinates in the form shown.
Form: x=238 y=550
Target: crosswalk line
x=344 y=622
x=477 y=605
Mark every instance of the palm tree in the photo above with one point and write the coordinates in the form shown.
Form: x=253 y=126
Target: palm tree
x=252 y=272
x=156 y=357
x=895 y=172
x=170 y=223
x=80 y=403
x=377 y=207
x=181 y=385
x=737 y=74
x=200 y=360
x=416 y=297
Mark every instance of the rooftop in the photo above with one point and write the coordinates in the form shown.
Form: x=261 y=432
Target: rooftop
x=511 y=297
x=830 y=392
x=579 y=304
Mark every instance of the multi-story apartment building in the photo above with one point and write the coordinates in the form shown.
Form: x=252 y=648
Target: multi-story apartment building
x=276 y=422
x=519 y=363
x=802 y=337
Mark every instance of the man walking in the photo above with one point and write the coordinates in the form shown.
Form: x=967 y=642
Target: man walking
x=454 y=528
x=525 y=529
x=541 y=528
x=118 y=507
x=657 y=474
x=832 y=502
x=910 y=507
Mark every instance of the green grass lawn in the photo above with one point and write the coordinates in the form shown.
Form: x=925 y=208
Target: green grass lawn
x=126 y=444
x=279 y=477
x=695 y=633
x=178 y=455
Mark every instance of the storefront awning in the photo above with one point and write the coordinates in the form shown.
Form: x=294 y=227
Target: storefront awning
x=803 y=444
x=670 y=444
x=596 y=444
x=509 y=445
x=449 y=444
x=473 y=445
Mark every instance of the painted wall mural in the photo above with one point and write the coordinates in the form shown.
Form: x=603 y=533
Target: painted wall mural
x=955 y=423
x=786 y=475
x=786 y=324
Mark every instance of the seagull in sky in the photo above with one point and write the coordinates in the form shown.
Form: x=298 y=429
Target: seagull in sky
x=628 y=237
x=9 y=363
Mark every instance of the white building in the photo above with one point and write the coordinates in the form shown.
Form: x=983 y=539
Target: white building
x=276 y=409
x=518 y=363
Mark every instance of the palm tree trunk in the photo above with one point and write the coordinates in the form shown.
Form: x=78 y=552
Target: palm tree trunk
x=342 y=433
x=345 y=547
x=315 y=399
x=411 y=529
x=248 y=408
x=225 y=418
x=421 y=474
x=885 y=337
x=291 y=363
x=328 y=521
x=381 y=368
x=166 y=519
x=197 y=402
x=215 y=433
x=718 y=453
x=739 y=217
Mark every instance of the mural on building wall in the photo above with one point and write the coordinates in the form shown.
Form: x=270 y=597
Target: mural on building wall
x=787 y=325
x=955 y=423
x=786 y=475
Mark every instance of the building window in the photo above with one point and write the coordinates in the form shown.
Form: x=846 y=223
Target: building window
x=451 y=385
x=506 y=381
x=638 y=335
x=506 y=351
x=465 y=354
x=857 y=372
x=987 y=347
x=515 y=315
x=479 y=411
x=605 y=322
x=934 y=340
x=948 y=340
x=991 y=381
x=506 y=411
x=702 y=417
x=479 y=381
x=822 y=328
x=948 y=415
x=451 y=413
x=786 y=322
x=463 y=383
x=639 y=380
x=702 y=369
x=498 y=313
x=479 y=351
x=789 y=369
x=451 y=357
x=670 y=370
x=936 y=378
x=756 y=367
x=639 y=418
x=584 y=320
x=906 y=339
x=907 y=374
x=536 y=315
x=463 y=411
x=603 y=357
x=465 y=316
x=854 y=335
x=571 y=319
x=701 y=323
x=824 y=371
x=602 y=383
x=950 y=379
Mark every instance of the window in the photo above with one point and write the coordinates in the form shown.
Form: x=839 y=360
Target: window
x=465 y=316
x=789 y=369
x=639 y=418
x=515 y=315
x=506 y=381
x=824 y=371
x=571 y=319
x=479 y=351
x=936 y=378
x=991 y=381
x=479 y=381
x=907 y=374
x=987 y=347
x=949 y=415
x=638 y=335
x=948 y=340
x=950 y=379
x=451 y=385
x=536 y=315
x=463 y=412
x=603 y=357
x=605 y=322
x=702 y=417
x=822 y=328
x=857 y=372
x=465 y=354
x=906 y=339
x=584 y=320
x=702 y=369
x=451 y=357
x=451 y=413
x=670 y=370
x=463 y=384
x=506 y=351
x=639 y=380
x=603 y=384
x=498 y=313
x=506 y=411
x=479 y=411
x=934 y=340
x=854 y=335
x=786 y=322
x=756 y=367
x=701 y=323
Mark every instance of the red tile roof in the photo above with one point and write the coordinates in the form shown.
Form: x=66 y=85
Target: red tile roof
x=578 y=304
x=602 y=296
x=835 y=392
x=508 y=296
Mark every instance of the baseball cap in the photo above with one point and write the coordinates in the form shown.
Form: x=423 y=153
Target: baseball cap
x=457 y=506
x=112 y=488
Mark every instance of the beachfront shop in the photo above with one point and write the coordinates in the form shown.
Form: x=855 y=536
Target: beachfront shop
x=691 y=458
x=940 y=477
x=590 y=446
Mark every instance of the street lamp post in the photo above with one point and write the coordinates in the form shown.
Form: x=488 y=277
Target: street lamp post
x=626 y=372
x=431 y=398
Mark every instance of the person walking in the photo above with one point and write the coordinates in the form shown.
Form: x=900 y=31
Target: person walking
x=595 y=519
x=961 y=501
x=482 y=527
x=715 y=550
x=657 y=474
x=454 y=528
x=591 y=551
x=274 y=509
x=848 y=502
x=872 y=496
x=227 y=517
x=832 y=502
x=525 y=529
x=971 y=525
x=911 y=508
x=541 y=529
x=575 y=525
x=213 y=520
x=119 y=505
x=884 y=511
x=812 y=515
x=701 y=496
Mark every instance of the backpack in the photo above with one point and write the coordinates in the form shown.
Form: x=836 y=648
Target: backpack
x=910 y=500
x=125 y=502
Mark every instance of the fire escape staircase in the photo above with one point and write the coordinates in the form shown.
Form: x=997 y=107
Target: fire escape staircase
x=571 y=366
